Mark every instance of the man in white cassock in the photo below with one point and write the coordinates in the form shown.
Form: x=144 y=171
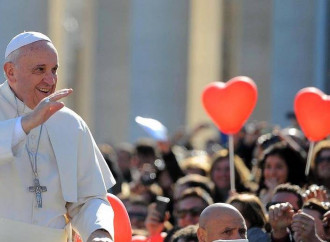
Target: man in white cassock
x=51 y=170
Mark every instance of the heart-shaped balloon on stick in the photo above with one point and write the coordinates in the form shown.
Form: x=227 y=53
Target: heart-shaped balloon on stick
x=312 y=109
x=229 y=105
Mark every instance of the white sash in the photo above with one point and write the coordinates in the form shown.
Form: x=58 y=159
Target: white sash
x=11 y=230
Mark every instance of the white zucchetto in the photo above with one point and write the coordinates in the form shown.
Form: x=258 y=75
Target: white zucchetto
x=23 y=39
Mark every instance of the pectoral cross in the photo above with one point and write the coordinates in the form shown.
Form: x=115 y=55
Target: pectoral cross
x=37 y=189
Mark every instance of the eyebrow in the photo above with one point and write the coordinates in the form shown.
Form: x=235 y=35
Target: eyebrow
x=39 y=65
x=228 y=228
x=43 y=65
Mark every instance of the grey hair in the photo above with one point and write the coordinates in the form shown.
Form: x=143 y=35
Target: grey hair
x=12 y=58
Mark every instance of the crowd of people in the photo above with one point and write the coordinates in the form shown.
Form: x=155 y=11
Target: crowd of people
x=275 y=198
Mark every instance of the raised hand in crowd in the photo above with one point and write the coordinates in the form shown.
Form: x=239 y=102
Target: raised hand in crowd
x=315 y=191
x=304 y=228
x=280 y=218
x=326 y=225
x=154 y=223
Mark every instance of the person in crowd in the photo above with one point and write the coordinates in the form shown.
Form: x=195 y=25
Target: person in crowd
x=253 y=212
x=326 y=225
x=290 y=226
x=50 y=166
x=188 y=208
x=280 y=164
x=220 y=175
x=146 y=186
x=315 y=191
x=262 y=143
x=308 y=225
x=197 y=164
x=164 y=178
x=137 y=209
x=320 y=164
x=186 y=234
x=245 y=141
x=221 y=221
x=288 y=198
x=192 y=180
x=144 y=155
x=293 y=136
x=280 y=218
x=287 y=193
x=124 y=153
x=190 y=205
x=110 y=158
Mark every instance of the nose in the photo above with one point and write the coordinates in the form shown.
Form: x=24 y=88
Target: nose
x=272 y=172
x=50 y=78
x=237 y=235
x=190 y=219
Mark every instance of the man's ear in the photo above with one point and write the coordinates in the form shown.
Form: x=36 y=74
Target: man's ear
x=201 y=234
x=9 y=71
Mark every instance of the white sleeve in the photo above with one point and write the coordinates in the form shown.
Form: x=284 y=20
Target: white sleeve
x=7 y=128
x=91 y=214
x=19 y=133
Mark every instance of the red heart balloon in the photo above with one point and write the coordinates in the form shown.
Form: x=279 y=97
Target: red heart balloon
x=122 y=224
x=230 y=104
x=312 y=109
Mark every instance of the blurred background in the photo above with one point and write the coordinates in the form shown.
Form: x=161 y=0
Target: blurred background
x=152 y=58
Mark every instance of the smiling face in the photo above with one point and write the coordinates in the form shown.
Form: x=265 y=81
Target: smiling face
x=221 y=174
x=276 y=169
x=33 y=74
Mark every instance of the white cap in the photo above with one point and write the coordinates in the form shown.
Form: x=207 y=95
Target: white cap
x=153 y=127
x=23 y=39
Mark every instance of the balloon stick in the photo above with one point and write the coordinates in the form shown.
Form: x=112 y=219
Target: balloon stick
x=309 y=158
x=231 y=162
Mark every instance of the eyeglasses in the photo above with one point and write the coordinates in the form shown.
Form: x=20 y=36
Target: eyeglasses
x=322 y=159
x=194 y=212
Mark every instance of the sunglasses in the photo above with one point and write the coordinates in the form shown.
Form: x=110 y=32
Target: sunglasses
x=194 y=212
x=322 y=159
